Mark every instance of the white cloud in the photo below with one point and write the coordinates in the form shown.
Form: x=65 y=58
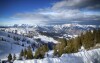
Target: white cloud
x=69 y=4
x=58 y=11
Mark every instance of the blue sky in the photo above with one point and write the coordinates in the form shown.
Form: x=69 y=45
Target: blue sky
x=48 y=11
x=10 y=7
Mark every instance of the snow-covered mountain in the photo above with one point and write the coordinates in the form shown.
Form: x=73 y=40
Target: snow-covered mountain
x=55 y=31
x=65 y=29
x=66 y=26
x=15 y=38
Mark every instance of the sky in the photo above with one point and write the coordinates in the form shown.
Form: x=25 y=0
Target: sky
x=42 y=12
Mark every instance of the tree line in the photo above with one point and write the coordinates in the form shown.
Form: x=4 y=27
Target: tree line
x=88 y=40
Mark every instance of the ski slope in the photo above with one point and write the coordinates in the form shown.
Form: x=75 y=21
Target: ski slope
x=6 y=48
x=10 y=46
x=92 y=56
x=14 y=47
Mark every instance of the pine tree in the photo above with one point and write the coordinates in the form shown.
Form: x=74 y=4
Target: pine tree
x=40 y=52
x=29 y=54
x=21 y=54
x=45 y=48
x=77 y=44
x=9 y=57
x=88 y=40
x=8 y=35
x=37 y=53
x=14 y=38
x=14 y=57
x=70 y=47
x=98 y=36
x=63 y=41
x=25 y=53
x=55 y=51
x=60 y=48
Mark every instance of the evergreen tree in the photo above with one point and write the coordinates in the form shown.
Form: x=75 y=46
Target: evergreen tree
x=14 y=38
x=70 y=47
x=88 y=40
x=9 y=57
x=37 y=53
x=55 y=51
x=25 y=53
x=29 y=54
x=21 y=54
x=98 y=36
x=77 y=44
x=8 y=35
x=40 y=52
x=63 y=41
x=14 y=57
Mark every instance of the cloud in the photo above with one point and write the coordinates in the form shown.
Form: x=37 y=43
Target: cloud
x=67 y=4
x=29 y=18
x=93 y=7
x=78 y=4
x=68 y=10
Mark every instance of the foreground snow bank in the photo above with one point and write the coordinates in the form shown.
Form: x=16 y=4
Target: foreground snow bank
x=92 y=56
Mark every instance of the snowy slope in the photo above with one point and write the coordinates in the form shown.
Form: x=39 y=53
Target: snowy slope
x=10 y=45
x=92 y=56
x=14 y=47
x=6 y=48
x=46 y=39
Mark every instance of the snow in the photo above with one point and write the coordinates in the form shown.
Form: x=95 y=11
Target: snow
x=92 y=56
x=78 y=25
x=49 y=54
x=10 y=45
x=46 y=39
x=6 y=48
x=82 y=49
x=14 y=47
x=73 y=25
